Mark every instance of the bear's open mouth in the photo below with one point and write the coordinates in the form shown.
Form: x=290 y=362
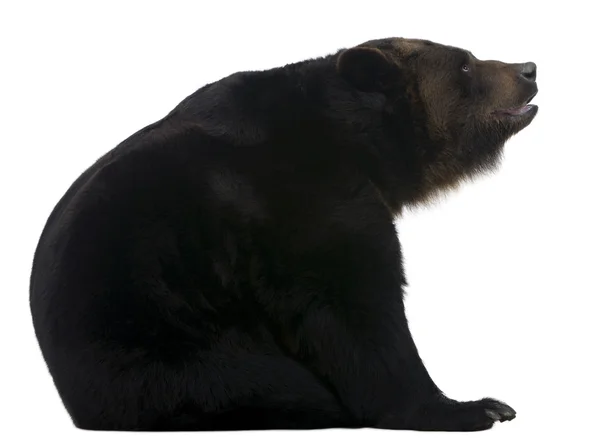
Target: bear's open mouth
x=520 y=110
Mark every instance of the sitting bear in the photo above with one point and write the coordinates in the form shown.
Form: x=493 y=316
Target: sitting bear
x=235 y=265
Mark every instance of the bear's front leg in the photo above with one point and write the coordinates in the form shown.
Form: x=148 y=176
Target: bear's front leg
x=445 y=414
x=336 y=303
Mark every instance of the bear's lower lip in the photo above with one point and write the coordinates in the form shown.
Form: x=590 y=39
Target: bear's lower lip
x=518 y=111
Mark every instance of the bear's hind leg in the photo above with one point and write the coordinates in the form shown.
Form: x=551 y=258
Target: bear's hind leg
x=241 y=391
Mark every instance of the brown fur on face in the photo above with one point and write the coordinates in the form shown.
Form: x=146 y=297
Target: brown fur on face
x=467 y=107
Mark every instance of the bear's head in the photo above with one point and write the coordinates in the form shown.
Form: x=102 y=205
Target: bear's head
x=453 y=110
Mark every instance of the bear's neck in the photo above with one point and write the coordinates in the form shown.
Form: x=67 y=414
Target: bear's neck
x=387 y=141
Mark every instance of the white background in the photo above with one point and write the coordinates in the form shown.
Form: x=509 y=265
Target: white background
x=503 y=296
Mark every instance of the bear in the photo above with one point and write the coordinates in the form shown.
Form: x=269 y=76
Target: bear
x=236 y=264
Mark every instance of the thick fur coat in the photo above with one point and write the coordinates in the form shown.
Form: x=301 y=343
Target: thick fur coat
x=235 y=265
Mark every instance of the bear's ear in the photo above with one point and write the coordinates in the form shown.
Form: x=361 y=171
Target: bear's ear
x=368 y=69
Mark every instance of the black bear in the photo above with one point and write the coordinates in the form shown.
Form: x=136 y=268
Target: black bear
x=235 y=265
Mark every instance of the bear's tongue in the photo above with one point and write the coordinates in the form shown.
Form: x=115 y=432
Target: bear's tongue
x=519 y=110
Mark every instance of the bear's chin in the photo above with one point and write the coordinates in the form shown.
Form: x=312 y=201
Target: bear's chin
x=518 y=118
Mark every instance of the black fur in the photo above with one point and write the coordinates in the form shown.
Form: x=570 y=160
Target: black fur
x=236 y=266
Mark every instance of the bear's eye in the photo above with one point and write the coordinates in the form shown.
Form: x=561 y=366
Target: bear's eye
x=466 y=68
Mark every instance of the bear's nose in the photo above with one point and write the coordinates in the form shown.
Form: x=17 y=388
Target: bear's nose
x=529 y=71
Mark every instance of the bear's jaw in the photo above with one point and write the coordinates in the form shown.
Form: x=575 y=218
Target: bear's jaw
x=520 y=110
x=516 y=119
